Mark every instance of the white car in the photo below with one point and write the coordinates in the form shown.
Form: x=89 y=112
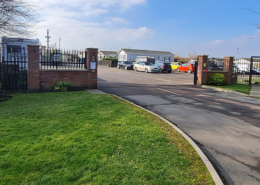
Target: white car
x=146 y=67
x=192 y=61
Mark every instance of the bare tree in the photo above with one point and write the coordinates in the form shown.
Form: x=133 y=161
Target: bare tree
x=193 y=55
x=18 y=18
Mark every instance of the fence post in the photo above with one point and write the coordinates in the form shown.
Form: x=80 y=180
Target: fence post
x=228 y=66
x=33 y=72
x=91 y=60
x=202 y=70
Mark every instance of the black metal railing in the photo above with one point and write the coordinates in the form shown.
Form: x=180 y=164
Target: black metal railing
x=13 y=68
x=62 y=59
x=215 y=64
x=247 y=70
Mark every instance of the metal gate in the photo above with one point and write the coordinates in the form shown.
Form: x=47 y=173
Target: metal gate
x=195 y=72
x=13 y=69
x=254 y=76
x=247 y=71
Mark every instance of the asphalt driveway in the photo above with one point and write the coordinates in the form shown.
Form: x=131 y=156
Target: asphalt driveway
x=225 y=126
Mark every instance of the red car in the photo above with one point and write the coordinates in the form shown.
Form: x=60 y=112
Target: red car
x=186 y=68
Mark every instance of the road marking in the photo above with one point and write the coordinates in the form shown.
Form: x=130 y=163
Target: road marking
x=168 y=91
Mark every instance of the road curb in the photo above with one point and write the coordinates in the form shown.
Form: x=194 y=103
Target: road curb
x=203 y=157
x=223 y=90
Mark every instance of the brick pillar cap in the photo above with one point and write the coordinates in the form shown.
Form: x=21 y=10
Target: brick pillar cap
x=91 y=48
x=202 y=55
x=33 y=45
x=228 y=57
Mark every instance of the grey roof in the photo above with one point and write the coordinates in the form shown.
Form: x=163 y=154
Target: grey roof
x=147 y=52
x=109 y=52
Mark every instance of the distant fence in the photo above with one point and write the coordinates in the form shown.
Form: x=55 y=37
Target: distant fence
x=62 y=59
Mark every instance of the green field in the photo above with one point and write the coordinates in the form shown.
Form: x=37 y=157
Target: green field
x=80 y=138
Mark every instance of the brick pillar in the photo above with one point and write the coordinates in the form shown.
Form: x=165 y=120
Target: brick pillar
x=33 y=72
x=202 y=70
x=228 y=66
x=91 y=56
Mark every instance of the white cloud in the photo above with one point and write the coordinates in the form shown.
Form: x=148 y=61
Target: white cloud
x=70 y=21
x=119 y=20
x=93 y=7
x=79 y=35
x=217 y=41
x=116 y=21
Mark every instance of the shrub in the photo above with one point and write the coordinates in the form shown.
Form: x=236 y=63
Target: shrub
x=216 y=79
x=62 y=86
x=113 y=59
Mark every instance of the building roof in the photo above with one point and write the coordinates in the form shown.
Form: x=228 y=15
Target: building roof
x=109 y=52
x=146 y=52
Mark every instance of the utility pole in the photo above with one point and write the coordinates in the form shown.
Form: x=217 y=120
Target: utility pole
x=59 y=42
x=48 y=38
x=238 y=52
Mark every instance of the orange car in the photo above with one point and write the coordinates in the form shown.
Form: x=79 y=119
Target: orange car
x=186 y=68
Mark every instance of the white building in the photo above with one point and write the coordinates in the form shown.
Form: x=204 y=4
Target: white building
x=132 y=54
x=107 y=54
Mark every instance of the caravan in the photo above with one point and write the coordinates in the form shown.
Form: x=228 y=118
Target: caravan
x=15 y=49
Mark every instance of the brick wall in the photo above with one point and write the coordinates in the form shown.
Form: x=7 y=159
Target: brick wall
x=203 y=75
x=33 y=79
x=48 y=79
x=91 y=54
x=45 y=79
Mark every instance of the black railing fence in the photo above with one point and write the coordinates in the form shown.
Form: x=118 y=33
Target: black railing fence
x=62 y=59
x=13 y=68
x=215 y=64
x=247 y=70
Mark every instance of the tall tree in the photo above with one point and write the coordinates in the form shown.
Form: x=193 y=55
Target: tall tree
x=18 y=18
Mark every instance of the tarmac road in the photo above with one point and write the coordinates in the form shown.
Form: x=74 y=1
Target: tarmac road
x=225 y=126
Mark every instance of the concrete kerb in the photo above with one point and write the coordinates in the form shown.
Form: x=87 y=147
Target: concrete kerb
x=203 y=157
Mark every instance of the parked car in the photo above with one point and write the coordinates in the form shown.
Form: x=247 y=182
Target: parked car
x=125 y=65
x=164 y=66
x=174 y=65
x=186 y=68
x=146 y=66
x=192 y=61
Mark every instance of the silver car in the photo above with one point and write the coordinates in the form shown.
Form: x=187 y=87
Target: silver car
x=146 y=67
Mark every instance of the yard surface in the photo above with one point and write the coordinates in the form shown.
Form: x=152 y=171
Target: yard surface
x=80 y=138
x=245 y=89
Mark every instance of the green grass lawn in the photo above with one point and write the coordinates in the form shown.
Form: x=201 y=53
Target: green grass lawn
x=245 y=89
x=80 y=138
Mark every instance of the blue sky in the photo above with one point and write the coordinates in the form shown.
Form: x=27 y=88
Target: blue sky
x=212 y=27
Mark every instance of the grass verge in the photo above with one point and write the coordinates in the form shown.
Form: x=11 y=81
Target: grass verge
x=80 y=138
x=245 y=89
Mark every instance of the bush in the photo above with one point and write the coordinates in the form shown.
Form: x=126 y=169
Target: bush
x=216 y=79
x=62 y=86
x=114 y=59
